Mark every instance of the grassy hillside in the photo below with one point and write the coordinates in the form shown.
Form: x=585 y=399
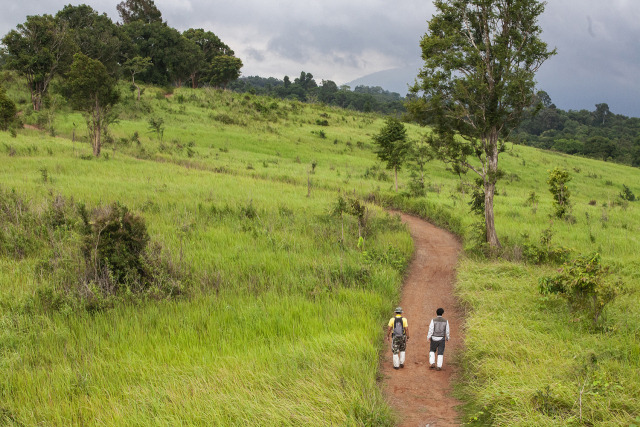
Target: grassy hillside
x=280 y=321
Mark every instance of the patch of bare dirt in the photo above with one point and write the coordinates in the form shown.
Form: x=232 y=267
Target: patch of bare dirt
x=420 y=395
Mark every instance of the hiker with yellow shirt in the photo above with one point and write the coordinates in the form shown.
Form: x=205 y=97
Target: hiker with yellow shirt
x=399 y=331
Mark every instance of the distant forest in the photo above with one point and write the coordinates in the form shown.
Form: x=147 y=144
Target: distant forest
x=304 y=88
x=598 y=134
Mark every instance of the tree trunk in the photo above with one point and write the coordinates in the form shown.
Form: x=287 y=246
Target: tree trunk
x=396 y=174
x=97 y=129
x=490 y=188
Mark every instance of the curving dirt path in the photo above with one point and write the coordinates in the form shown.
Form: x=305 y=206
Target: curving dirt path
x=421 y=396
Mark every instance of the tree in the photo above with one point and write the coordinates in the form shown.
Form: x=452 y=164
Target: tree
x=210 y=47
x=159 y=42
x=185 y=58
x=480 y=58
x=93 y=34
x=601 y=113
x=92 y=90
x=419 y=155
x=135 y=66
x=38 y=50
x=139 y=10
x=392 y=145
x=224 y=69
x=7 y=110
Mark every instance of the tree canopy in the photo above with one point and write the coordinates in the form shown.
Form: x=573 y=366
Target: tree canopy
x=139 y=10
x=37 y=49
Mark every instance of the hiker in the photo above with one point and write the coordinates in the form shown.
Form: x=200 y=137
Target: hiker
x=438 y=334
x=399 y=330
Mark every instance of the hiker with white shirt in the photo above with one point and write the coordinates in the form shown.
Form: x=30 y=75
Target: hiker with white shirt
x=438 y=335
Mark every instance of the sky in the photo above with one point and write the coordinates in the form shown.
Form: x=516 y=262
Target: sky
x=598 y=41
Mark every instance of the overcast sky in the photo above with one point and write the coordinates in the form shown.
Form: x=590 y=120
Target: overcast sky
x=598 y=41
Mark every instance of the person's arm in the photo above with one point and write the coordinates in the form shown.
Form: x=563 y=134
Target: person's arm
x=406 y=332
x=430 y=330
x=389 y=332
x=447 y=330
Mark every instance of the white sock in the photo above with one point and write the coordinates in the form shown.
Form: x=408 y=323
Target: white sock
x=402 y=357
x=440 y=359
x=396 y=361
x=432 y=358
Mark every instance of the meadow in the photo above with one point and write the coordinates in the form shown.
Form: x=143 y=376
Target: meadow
x=282 y=320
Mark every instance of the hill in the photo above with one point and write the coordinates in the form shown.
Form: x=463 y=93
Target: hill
x=271 y=308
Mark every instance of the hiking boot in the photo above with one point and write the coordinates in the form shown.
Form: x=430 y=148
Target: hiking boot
x=438 y=368
x=396 y=367
x=432 y=366
x=402 y=365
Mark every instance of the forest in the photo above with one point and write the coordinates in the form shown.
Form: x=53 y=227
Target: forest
x=305 y=88
x=599 y=134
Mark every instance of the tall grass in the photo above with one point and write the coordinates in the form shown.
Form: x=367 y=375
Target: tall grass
x=283 y=326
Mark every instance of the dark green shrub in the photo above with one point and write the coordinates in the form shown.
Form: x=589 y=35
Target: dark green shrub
x=114 y=248
x=627 y=194
x=8 y=110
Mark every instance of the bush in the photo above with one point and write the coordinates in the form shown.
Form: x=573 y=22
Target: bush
x=557 y=181
x=582 y=282
x=545 y=252
x=627 y=194
x=114 y=244
x=7 y=110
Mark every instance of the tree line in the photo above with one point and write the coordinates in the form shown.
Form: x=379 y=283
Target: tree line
x=304 y=88
x=142 y=47
x=598 y=134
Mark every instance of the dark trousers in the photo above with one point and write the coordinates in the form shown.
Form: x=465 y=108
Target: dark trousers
x=437 y=346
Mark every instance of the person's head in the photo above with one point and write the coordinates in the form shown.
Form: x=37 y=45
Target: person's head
x=440 y=311
x=398 y=310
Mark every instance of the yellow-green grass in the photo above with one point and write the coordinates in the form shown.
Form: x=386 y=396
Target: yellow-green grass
x=285 y=330
x=526 y=361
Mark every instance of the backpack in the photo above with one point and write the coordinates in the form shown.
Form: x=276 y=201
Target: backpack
x=398 y=327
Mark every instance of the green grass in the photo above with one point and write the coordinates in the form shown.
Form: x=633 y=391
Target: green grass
x=284 y=323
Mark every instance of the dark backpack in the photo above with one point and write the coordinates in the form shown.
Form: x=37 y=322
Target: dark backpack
x=398 y=327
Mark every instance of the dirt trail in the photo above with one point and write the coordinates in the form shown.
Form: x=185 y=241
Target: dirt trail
x=422 y=396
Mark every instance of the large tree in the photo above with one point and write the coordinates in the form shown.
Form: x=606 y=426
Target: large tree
x=93 y=34
x=91 y=89
x=210 y=47
x=224 y=69
x=157 y=41
x=38 y=49
x=480 y=58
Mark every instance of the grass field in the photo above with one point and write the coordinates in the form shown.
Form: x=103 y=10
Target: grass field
x=282 y=321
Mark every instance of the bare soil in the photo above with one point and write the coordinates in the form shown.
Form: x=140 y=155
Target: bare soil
x=422 y=396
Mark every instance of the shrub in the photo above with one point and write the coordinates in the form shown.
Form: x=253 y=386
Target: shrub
x=583 y=283
x=7 y=110
x=114 y=244
x=557 y=181
x=627 y=194
x=545 y=252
